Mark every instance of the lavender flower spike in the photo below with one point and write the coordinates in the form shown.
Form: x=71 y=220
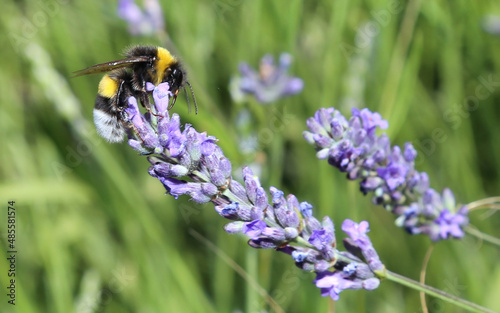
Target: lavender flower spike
x=270 y=83
x=190 y=163
x=387 y=172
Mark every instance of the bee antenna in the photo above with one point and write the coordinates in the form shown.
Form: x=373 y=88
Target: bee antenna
x=187 y=100
x=194 y=98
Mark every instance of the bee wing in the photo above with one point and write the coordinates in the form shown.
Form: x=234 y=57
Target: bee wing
x=109 y=66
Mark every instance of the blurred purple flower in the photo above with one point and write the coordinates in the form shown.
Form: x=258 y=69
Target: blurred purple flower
x=190 y=163
x=354 y=147
x=142 y=23
x=491 y=24
x=270 y=83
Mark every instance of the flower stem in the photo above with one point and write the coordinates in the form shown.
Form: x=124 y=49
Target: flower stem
x=472 y=307
x=483 y=202
x=251 y=266
x=482 y=236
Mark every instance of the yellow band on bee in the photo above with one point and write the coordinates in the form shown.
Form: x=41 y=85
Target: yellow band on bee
x=108 y=87
x=165 y=59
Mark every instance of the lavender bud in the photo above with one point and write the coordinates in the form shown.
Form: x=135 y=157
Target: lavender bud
x=299 y=256
x=291 y=233
x=234 y=227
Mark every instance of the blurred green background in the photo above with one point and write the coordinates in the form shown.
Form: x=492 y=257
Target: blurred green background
x=95 y=233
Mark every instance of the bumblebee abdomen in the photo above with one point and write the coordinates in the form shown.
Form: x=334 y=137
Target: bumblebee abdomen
x=108 y=87
x=108 y=120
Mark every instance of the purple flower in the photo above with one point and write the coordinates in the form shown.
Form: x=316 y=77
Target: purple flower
x=358 y=232
x=354 y=275
x=332 y=283
x=394 y=175
x=254 y=228
x=370 y=119
x=387 y=172
x=190 y=163
x=449 y=224
x=140 y=22
x=159 y=94
x=143 y=129
x=321 y=239
x=270 y=83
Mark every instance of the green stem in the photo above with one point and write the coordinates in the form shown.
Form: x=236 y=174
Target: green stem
x=483 y=202
x=472 y=307
x=482 y=236
x=251 y=295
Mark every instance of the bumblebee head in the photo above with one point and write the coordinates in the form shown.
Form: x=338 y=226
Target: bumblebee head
x=175 y=78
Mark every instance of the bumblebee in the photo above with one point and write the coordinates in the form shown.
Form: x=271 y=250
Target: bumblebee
x=128 y=77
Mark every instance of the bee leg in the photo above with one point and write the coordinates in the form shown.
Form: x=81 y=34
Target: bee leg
x=121 y=110
x=144 y=97
x=174 y=97
x=120 y=98
x=145 y=102
x=134 y=129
